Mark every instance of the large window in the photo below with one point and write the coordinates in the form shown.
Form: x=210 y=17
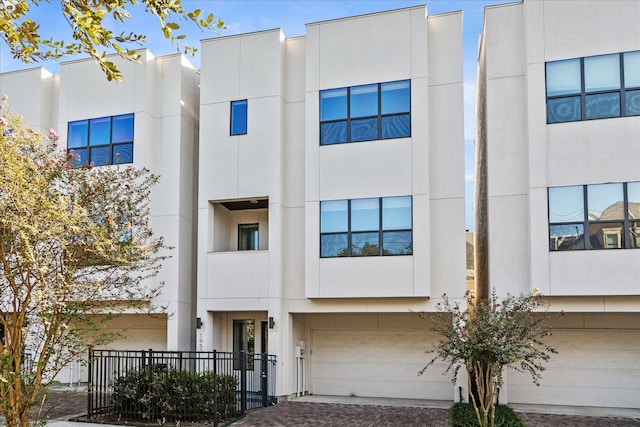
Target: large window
x=365 y=113
x=366 y=227
x=594 y=87
x=239 y=117
x=101 y=141
x=598 y=216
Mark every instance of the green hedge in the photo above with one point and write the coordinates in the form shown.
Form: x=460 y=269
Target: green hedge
x=173 y=395
x=463 y=415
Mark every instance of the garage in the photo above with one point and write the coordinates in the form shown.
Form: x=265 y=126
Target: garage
x=593 y=367
x=376 y=363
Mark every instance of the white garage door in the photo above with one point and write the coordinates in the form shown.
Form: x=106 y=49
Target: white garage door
x=592 y=368
x=376 y=363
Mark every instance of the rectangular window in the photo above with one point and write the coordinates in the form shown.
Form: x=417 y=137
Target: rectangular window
x=239 y=117
x=247 y=237
x=101 y=141
x=365 y=113
x=596 y=216
x=244 y=340
x=366 y=227
x=594 y=87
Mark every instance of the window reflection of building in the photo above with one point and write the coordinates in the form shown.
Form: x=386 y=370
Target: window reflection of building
x=609 y=212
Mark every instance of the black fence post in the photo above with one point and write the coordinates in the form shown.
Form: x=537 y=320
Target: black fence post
x=243 y=382
x=264 y=379
x=90 y=385
x=215 y=389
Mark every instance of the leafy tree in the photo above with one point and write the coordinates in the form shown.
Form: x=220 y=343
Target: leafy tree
x=87 y=21
x=75 y=249
x=488 y=336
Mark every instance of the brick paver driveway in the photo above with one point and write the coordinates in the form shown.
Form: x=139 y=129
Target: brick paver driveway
x=301 y=414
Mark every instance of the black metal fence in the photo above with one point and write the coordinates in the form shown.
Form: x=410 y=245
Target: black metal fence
x=168 y=386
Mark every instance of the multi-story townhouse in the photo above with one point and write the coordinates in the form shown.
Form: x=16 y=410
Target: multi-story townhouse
x=150 y=120
x=331 y=199
x=559 y=187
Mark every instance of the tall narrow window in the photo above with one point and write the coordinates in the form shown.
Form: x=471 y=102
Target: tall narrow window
x=247 y=237
x=239 y=117
x=244 y=339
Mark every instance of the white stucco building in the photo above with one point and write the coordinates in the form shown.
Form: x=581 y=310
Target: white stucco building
x=559 y=126
x=331 y=199
x=149 y=120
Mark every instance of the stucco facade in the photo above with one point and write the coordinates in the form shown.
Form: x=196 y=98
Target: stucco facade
x=351 y=314
x=537 y=151
x=162 y=94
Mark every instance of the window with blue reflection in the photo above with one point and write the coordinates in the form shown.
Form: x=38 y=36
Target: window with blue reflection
x=100 y=131
x=100 y=156
x=122 y=128
x=632 y=69
x=397 y=243
x=363 y=101
x=566 y=204
x=123 y=153
x=333 y=104
x=365 y=244
x=593 y=87
x=603 y=105
x=632 y=103
x=605 y=201
x=396 y=213
x=365 y=113
x=563 y=77
x=566 y=109
x=101 y=141
x=78 y=134
x=365 y=214
x=602 y=73
x=334 y=245
x=395 y=97
x=359 y=227
x=364 y=129
x=334 y=216
x=239 y=117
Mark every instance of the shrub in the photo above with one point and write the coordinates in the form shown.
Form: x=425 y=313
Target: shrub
x=463 y=415
x=173 y=395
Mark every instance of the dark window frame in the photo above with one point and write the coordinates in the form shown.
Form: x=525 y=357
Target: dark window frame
x=380 y=231
x=583 y=93
x=626 y=222
x=255 y=227
x=88 y=147
x=378 y=117
x=244 y=102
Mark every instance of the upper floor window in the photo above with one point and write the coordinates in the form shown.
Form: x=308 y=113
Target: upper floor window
x=366 y=227
x=597 y=216
x=594 y=87
x=102 y=141
x=239 y=117
x=365 y=113
x=248 y=237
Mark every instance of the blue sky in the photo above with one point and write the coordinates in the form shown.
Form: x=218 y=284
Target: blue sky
x=243 y=16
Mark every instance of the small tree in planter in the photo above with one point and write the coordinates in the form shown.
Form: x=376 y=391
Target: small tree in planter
x=488 y=336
